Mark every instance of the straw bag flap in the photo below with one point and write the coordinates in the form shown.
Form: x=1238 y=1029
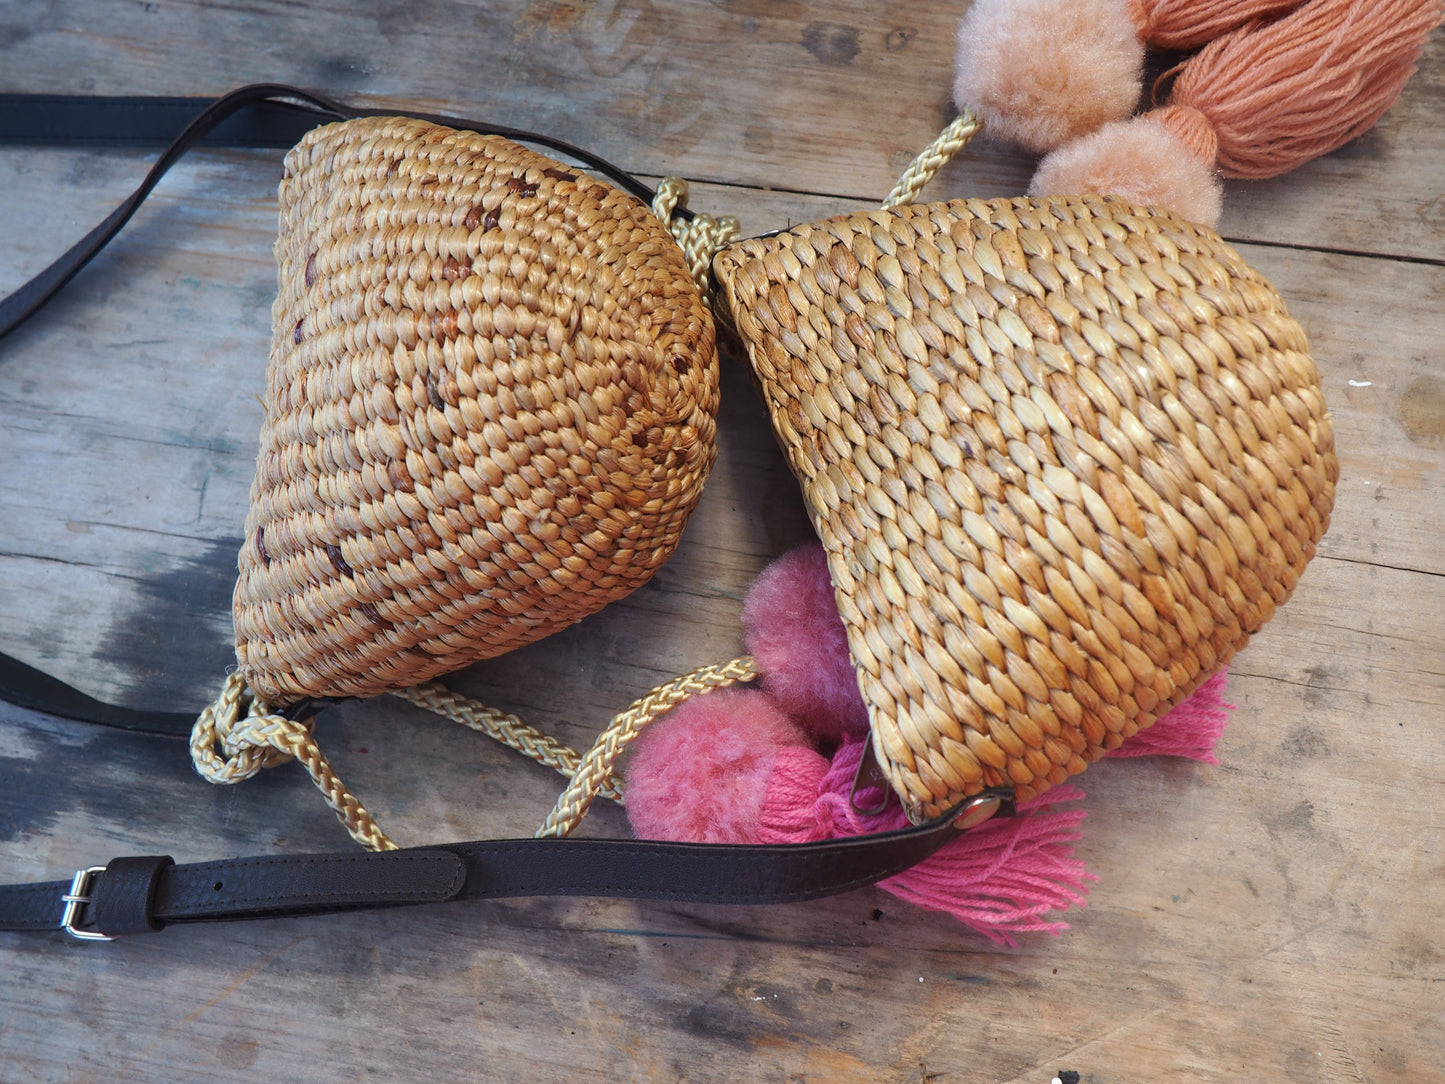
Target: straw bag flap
x=489 y=409
x=1065 y=456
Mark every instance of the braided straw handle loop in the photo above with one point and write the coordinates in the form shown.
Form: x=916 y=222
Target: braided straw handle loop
x=957 y=135
x=251 y=737
x=507 y=729
x=701 y=237
x=245 y=730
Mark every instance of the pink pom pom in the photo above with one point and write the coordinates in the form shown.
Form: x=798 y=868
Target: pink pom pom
x=791 y=625
x=1041 y=72
x=1139 y=160
x=700 y=773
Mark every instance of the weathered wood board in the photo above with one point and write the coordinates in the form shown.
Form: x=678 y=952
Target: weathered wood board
x=1273 y=918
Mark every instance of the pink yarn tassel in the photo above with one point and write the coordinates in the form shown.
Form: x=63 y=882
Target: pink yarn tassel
x=1190 y=729
x=999 y=879
x=1003 y=877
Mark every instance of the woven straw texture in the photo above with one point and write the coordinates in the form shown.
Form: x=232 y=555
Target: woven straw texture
x=490 y=408
x=1065 y=456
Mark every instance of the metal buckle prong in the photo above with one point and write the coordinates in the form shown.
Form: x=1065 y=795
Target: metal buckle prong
x=75 y=902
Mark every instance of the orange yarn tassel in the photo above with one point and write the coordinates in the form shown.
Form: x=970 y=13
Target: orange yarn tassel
x=1185 y=24
x=1280 y=92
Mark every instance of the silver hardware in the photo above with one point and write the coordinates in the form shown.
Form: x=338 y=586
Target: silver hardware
x=982 y=807
x=75 y=902
x=869 y=776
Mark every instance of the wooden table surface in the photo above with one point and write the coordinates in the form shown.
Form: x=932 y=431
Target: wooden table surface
x=1275 y=918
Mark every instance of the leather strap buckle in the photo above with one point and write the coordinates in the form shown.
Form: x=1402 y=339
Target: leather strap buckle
x=76 y=900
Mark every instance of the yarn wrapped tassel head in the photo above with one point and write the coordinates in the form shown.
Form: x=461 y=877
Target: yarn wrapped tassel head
x=1044 y=72
x=1282 y=92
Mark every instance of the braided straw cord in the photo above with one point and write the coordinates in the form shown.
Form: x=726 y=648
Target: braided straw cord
x=251 y=737
x=597 y=765
x=505 y=728
x=935 y=156
x=1065 y=455
x=701 y=238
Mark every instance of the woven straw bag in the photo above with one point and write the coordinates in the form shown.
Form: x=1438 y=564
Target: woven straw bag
x=490 y=407
x=1065 y=457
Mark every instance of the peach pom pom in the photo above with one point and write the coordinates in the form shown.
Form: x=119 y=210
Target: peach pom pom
x=1140 y=160
x=700 y=773
x=1042 y=72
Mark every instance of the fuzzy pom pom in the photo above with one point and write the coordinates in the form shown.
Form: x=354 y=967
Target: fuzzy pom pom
x=791 y=626
x=1042 y=72
x=700 y=773
x=1140 y=160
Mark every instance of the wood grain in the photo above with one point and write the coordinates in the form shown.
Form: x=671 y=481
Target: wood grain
x=1271 y=918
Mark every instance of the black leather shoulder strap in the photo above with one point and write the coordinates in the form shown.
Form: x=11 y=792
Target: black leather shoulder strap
x=45 y=120
x=73 y=120
x=136 y=895
x=27 y=687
